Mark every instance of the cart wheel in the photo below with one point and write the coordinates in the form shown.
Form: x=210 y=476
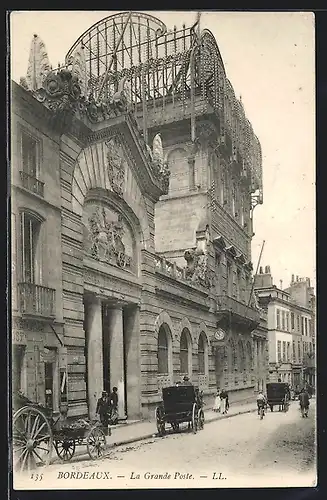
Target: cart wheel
x=175 y=426
x=159 y=415
x=96 y=442
x=32 y=439
x=65 y=449
x=194 y=418
x=200 y=419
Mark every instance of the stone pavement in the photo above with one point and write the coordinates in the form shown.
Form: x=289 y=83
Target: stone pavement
x=131 y=432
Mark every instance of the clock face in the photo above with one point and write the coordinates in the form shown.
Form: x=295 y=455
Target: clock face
x=220 y=334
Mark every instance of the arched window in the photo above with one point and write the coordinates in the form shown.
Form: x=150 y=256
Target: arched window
x=163 y=350
x=241 y=356
x=203 y=354
x=232 y=355
x=185 y=352
x=249 y=355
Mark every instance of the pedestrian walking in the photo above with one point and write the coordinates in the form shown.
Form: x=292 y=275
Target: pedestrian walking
x=217 y=402
x=113 y=400
x=103 y=409
x=223 y=399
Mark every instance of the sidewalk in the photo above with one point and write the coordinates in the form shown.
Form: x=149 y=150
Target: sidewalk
x=131 y=432
x=134 y=431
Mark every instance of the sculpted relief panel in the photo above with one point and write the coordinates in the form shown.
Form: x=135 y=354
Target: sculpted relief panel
x=108 y=237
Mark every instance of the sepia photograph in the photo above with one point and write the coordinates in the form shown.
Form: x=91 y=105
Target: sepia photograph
x=163 y=242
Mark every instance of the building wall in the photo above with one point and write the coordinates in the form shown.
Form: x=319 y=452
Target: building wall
x=75 y=173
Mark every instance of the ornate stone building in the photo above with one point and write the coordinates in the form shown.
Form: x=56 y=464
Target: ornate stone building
x=134 y=178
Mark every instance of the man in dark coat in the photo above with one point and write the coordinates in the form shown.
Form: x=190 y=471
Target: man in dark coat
x=103 y=409
x=304 y=401
x=186 y=381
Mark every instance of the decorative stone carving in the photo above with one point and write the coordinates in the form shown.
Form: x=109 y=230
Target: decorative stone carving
x=106 y=239
x=197 y=267
x=38 y=65
x=115 y=166
x=60 y=91
x=63 y=89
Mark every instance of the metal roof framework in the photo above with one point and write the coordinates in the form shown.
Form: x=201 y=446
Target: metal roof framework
x=159 y=66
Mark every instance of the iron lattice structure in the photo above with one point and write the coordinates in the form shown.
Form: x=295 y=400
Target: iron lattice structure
x=159 y=67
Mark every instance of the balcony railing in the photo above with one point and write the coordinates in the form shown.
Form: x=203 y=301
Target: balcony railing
x=32 y=184
x=36 y=300
x=236 y=311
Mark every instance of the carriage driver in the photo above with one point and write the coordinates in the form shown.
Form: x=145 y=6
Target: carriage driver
x=261 y=401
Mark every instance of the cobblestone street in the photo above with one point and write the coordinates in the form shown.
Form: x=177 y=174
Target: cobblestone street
x=238 y=451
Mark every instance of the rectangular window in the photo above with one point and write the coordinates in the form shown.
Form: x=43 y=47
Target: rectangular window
x=18 y=368
x=29 y=155
x=287 y=321
x=239 y=285
x=278 y=319
x=229 y=279
x=292 y=321
x=288 y=352
x=30 y=228
x=302 y=326
x=306 y=327
x=50 y=377
x=298 y=322
x=283 y=320
x=294 y=352
x=279 y=351
x=299 y=351
x=284 y=351
x=218 y=272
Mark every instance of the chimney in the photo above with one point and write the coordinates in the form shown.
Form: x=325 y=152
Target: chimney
x=281 y=284
x=292 y=278
x=297 y=278
x=260 y=270
x=266 y=270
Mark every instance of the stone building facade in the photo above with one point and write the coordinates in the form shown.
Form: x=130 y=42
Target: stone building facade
x=132 y=227
x=291 y=328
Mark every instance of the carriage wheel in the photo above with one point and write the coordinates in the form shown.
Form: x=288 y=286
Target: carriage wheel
x=65 y=449
x=96 y=442
x=200 y=419
x=32 y=439
x=159 y=415
x=175 y=426
x=194 y=418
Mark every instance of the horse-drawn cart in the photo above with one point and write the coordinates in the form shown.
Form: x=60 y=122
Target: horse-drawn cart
x=278 y=394
x=35 y=432
x=180 y=404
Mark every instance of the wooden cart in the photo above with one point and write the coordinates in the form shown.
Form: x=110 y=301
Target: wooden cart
x=180 y=404
x=35 y=433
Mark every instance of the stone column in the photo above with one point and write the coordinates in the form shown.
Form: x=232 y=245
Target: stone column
x=117 y=371
x=133 y=361
x=95 y=353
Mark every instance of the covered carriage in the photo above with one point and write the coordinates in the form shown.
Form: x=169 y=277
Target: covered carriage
x=180 y=404
x=278 y=394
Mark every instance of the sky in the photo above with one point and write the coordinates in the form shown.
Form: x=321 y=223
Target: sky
x=269 y=58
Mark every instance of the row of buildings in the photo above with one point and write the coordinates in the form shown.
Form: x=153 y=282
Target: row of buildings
x=135 y=174
x=291 y=328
